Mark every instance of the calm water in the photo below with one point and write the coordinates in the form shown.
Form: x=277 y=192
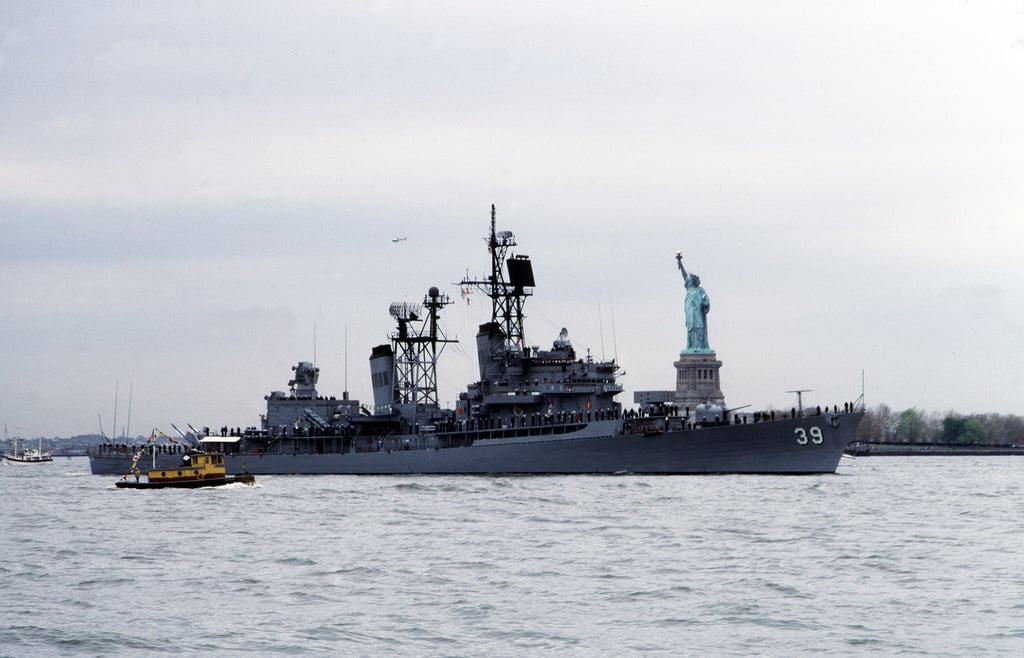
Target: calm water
x=891 y=556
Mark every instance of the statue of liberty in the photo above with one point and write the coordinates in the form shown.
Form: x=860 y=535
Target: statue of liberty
x=697 y=306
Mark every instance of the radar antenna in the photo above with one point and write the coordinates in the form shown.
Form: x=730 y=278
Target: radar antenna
x=800 y=399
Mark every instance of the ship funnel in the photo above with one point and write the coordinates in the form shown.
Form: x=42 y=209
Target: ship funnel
x=382 y=368
x=490 y=350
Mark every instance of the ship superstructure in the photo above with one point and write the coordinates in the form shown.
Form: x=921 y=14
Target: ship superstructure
x=522 y=385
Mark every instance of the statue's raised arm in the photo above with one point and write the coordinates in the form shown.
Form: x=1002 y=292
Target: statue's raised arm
x=679 y=262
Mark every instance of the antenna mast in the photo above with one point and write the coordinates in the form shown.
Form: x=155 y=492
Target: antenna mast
x=417 y=345
x=128 y=427
x=861 y=402
x=508 y=295
x=115 y=409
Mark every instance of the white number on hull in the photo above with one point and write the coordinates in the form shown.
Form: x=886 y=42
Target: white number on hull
x=816 y=437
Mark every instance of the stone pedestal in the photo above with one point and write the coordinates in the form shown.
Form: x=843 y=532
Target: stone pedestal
x=697 y=380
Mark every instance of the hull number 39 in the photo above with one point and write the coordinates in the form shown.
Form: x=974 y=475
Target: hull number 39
x=812 y=435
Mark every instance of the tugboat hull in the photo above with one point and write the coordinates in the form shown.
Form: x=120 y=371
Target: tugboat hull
x=187 y=484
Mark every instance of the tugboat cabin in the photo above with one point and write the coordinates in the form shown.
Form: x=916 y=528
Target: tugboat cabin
x=196 y=467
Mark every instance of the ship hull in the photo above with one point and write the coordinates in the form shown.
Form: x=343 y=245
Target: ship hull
x=29 y=460
x=114 y=463
x=810 y=445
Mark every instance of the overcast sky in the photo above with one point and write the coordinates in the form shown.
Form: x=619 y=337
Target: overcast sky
x=196 y=196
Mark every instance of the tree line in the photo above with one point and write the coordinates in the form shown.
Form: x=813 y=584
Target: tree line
x=883 y=425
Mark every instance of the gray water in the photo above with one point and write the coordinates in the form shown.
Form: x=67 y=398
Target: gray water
x=913 y=556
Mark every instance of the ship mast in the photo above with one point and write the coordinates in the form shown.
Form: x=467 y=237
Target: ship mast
x=417 y=345
x=508 y=295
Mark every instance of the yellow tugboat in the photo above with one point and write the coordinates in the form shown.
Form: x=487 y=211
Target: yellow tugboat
x=198 y=469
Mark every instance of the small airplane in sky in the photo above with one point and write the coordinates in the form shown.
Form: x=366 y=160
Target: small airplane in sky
x=398 y=239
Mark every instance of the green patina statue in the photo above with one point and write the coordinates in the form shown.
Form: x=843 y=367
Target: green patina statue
x=697 y=306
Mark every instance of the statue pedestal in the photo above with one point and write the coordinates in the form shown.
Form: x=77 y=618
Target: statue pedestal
x=697 y=379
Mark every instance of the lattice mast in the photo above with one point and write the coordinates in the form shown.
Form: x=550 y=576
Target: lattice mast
x=508 y=295
x=418 y=343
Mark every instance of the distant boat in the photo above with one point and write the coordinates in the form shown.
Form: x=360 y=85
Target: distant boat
x=198 y=469
x=27 y=456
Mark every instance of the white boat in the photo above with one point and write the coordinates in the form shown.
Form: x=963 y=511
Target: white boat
x=27 y=456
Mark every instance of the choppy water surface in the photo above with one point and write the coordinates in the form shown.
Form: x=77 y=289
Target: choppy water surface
x=892 y=555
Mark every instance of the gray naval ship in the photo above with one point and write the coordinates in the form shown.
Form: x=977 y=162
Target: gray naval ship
x=532 y=410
